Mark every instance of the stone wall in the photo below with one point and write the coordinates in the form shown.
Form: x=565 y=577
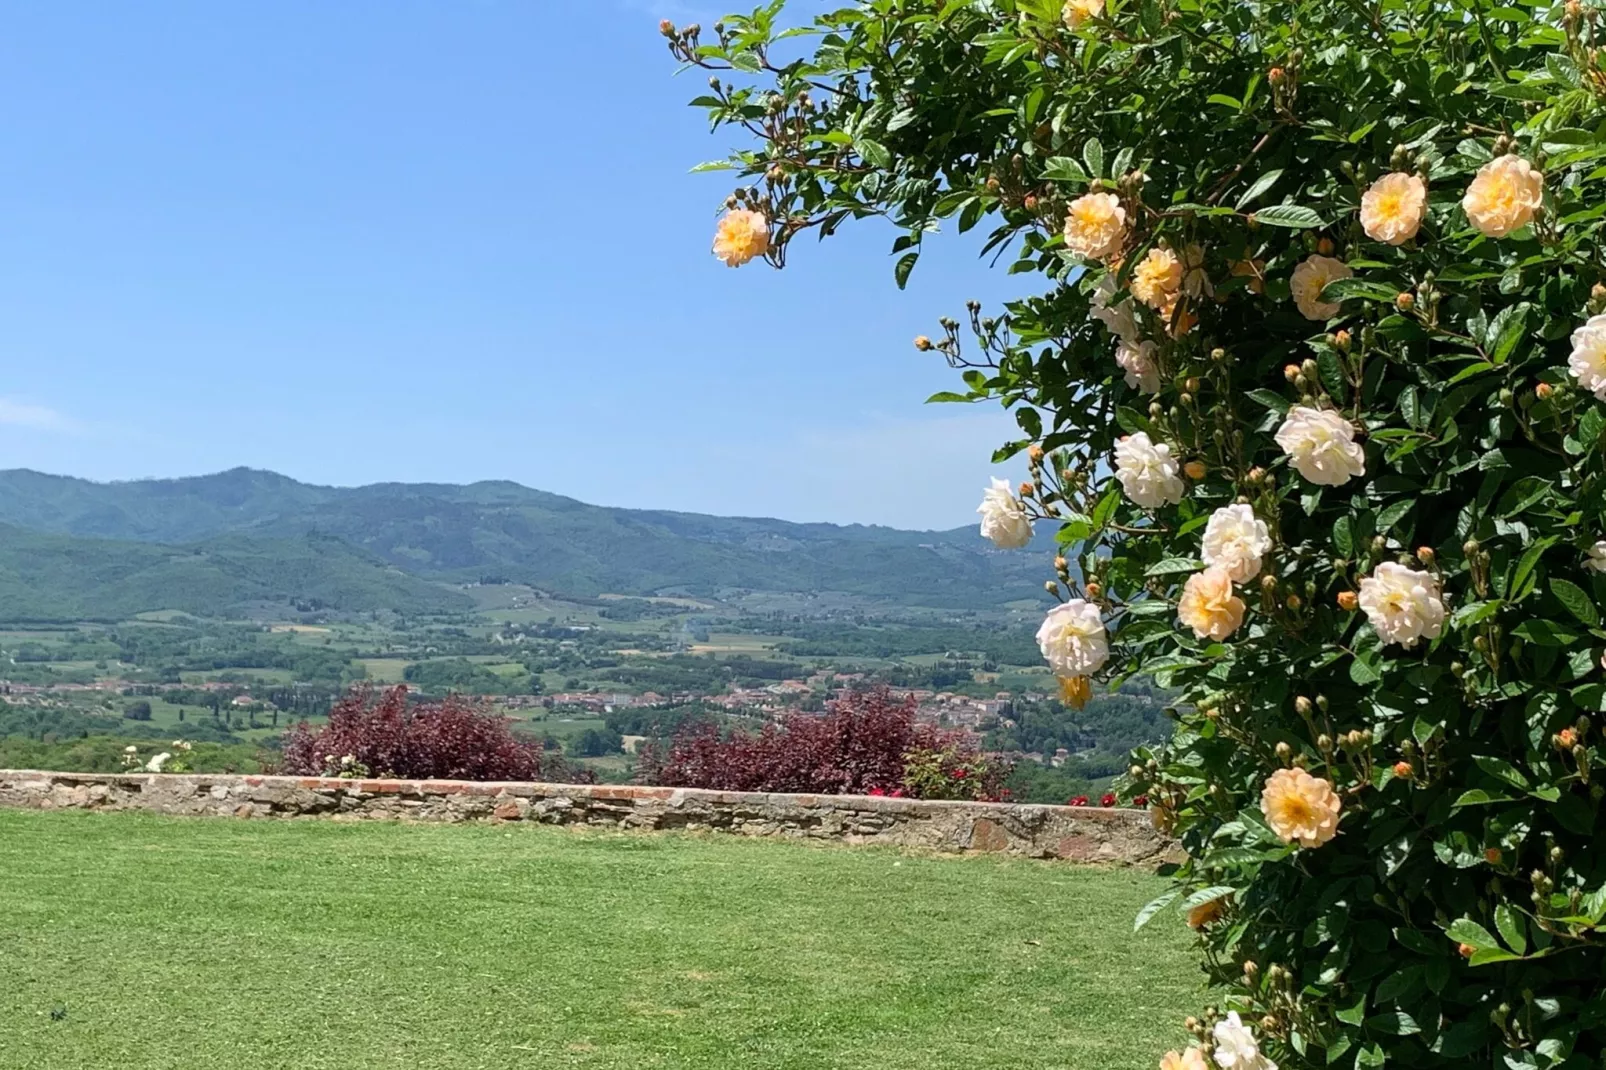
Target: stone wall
x=1083 y=834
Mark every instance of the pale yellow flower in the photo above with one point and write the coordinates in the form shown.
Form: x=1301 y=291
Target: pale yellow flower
x=1095 y=225
x=1207 y=913
x=1079 y=11
x=1310 y=278
x=1404 y=604
x=1504 y=196
x=1300 y=808
x=742 y=235
x=1075 y=691
x=1587 y=361
x=1392 y=209
x=1192 y=1059
x=1208 y=605
x=1157 y=278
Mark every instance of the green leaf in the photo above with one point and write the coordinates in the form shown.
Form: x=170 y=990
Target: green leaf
x=1469 y=932
x=1577 y=601
x=1093 y=156
x=1289 y=215
x=1153 y=907
x=1393 y=1023
x=1271 y=399
x=1173 y=565
x=713 y=165
x=1512 y=927
x=1207 y=895
x=1259 y=186
x=1501 y=769
x=1064 y=169
x=906 y=264
x=1505 y=331
x=874 y=153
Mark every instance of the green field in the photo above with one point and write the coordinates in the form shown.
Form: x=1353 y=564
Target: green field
x=142 y=942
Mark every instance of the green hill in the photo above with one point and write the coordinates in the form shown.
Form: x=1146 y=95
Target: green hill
x=47 y=577
x=503 y=531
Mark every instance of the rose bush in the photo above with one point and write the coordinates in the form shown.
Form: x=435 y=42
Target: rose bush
x=1334 y=266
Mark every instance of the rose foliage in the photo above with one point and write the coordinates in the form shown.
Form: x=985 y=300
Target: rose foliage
x=1306 y=371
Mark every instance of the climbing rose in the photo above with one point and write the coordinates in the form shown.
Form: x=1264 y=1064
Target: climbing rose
x=1118 y=319
x=1587 y=362
x=1148 y=473
x=1311 y=276
x=742 y=235
x=1157 y=278
x=1073 y=639
x=1597 y=557
x=1504 y=196
x=1392 y=209
x=1300 y=808
x=1403 y=604
x=1192 y=1059
x=1236 y=540
x=1095 y=225
x=1137 y=360
x=1003 y=517
x=1075 y=691
x=1208 y=605
x=1079 y=11
x=1320 y=444
x=1236 y=1048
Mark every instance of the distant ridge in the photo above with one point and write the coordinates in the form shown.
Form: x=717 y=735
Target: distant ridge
x=506 y=532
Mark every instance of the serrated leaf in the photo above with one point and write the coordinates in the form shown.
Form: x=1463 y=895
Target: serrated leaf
x=1153 y=907
x=1259 y=186
x=1064 y=169
x=1512 y=927
x=1093 y=156
x=1173 y=565
x=1466 y=931
x=1501 y=769
x=1577 y=601
x=1295 y=216
x=1207 y=895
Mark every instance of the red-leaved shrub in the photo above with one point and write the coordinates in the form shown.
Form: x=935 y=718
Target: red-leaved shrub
x=452 y=739
x=860 y=746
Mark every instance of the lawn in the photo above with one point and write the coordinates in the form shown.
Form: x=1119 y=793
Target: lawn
x=135 y=941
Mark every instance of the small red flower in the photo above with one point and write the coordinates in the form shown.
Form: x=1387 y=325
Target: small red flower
x=1141 y=801
x=959 y=774
x=1080 y=800
x=1108 y=799
x=897 y=793
x=878 y=791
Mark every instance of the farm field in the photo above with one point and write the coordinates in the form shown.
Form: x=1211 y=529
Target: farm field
x=145 y=942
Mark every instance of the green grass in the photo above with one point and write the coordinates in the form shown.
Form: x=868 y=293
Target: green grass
x=179 y=943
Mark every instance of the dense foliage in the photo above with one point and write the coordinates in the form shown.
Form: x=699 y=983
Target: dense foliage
x=1309 y=385
x=866 y=743
x=452 y=739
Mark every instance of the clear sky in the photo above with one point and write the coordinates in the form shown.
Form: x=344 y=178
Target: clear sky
x=441 y=240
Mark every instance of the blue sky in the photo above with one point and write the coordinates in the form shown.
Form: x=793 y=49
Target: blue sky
x=441 y=240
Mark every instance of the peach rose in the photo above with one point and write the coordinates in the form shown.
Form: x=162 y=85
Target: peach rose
x=1300 y=808
x=1504 y=195
x=1392 y=209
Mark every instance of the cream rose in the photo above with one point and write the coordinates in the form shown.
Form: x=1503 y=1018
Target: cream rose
x=1597 y=557
x=1118 y=318
x=1157 y=277
x=1393 y=207
x=1095 y=225
x=1073 y=640
x=1208 y=605
x=1310 y=278
x=1321 y=446
x=1587 y=361
x=1403 y=604
x=1149 y=475
x=742 y=235
x=1137 y=360
x=1504 y=196
x=1236 y=1048
x=1235 y=539
x=1003 y=517
x=1300 y=808
x=1079 y=11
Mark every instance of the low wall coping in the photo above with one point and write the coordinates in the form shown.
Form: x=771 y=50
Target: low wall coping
x=1096 y=834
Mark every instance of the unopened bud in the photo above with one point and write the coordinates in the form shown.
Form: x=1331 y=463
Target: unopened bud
x=1218 y=354
x=1347 y=601
x=1566 y=739
x=1493 y=856
x=1093 y=590
x=1598 y=292
x=1027 y=490
x=1257 y=475
x=1402 y=770
x=1290 y=372
x=1051 y=587
x=1405 y=300
x=1324 y=742
x=1470 y=547
x=1325 y=246
x=1342 y=341
x=666 y=28
x=1034 y=453
x=1284 y=751
x=1276 y=76
x=1543 y=391
x=1195 y=470
x=1303 y=706
x=923 y=343
x=1294 y=601
x=1425 y=554
x=1061 y=565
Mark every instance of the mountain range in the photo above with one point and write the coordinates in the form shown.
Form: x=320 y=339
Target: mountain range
x=72 y=548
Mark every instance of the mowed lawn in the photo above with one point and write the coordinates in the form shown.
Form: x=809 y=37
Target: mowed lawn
x=134 y=941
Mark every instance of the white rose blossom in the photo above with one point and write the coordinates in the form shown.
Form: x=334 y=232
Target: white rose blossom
x=1321 y=446
x=1597 y=557
x=1587 y=362
x=1073 y=639
x=1149 y=475
x=156 y=763
x=1236 y=1048
x=1235 y=540
x=1003 y=517
x=1119 y=319
x=1403 y=604
x=1137 y=360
